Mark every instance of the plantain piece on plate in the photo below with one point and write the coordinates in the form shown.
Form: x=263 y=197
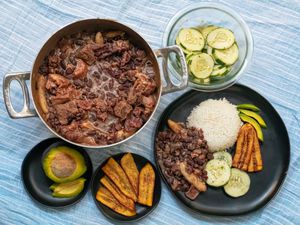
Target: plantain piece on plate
x=129 y=166
x=114 y=190
x=248 y=153
x=256 y=163
x=114 y=171
x=192 y=178
x=105 y=197
x=241 y=140
x=174 y=126
x=146 y=185
x=248 y=150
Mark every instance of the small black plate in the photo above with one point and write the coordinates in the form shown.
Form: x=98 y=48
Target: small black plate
x=141 y=211
x=275 y=153
x=37 y=183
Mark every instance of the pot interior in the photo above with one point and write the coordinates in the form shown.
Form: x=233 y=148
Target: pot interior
x=90 y=25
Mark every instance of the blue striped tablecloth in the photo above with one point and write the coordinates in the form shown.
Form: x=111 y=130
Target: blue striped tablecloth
x=274 y=72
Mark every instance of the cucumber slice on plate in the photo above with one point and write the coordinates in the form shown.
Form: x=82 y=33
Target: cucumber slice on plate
x=225 y=156
x=227 y=56
x=191 y=39
x=238 y=184
x=185 y=51
x=218 y=172
x=206 y=30
x=220 y=38
x=201 y=65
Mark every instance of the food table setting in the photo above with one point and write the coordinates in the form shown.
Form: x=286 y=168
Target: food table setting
x=149 y=112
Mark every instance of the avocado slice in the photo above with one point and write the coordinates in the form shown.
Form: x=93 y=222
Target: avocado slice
x=248 y=106
x=254 y=115
x=62 y=164
x=69 y=189
x=253 y=122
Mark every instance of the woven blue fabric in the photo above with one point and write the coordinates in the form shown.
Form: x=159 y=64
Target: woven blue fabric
x=274 y=72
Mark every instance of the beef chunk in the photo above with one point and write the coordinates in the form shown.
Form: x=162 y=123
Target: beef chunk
x=80 y=70
x=122 y=109
x=66 y=112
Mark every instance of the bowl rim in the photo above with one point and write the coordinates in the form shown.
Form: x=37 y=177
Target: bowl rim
x=240 y=21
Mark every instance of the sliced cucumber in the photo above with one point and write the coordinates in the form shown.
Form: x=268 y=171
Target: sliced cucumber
x=209 y=50
x=177 y=42
x=220 y=38
x=191 y=39
x=218 y=172
x=225 y=156
x=201 y=65
x=227 y=56
x=219 y=71
x=238 y=184
x=206 y=30
x=201 y=81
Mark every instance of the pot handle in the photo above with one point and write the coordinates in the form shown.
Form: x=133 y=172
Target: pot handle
x=164 y=53
x=21 y=77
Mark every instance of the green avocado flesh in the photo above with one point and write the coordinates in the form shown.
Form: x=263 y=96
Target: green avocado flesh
x=255 y=116
x=248 y=106
x=68 y=189
x=253 y=122
x=63 y=164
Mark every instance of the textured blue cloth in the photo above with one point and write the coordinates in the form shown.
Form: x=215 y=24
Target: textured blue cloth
x=274 y=72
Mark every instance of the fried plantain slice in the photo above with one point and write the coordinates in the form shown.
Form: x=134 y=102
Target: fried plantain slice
x=114 y=171
x=146 y=185
x=105 y=197
x=192 y=178
x=174 y=126
x=248 y=153
x=239 y=146
x=129 y=166
x=114 y=190
x=258 y=163
x=251 y=163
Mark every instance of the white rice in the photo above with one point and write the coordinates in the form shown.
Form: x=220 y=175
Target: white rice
x=220 y=122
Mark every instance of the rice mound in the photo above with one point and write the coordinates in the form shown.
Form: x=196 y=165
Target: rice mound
x=220 y=122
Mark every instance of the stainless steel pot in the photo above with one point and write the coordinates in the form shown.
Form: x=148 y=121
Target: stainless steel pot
x=91 y=25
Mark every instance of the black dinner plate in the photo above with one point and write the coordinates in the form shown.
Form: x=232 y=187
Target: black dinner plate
x=141 y=211
x=275 y=152
x=37 y=183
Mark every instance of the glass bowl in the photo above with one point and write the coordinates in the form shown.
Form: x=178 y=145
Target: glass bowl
x=203 y=14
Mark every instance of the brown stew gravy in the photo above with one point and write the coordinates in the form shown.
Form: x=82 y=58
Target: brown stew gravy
x=97 y=88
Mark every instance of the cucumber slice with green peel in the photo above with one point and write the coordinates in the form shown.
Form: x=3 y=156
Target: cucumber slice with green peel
x=218 y=172
x=220 y=38
x=255 y=124
x=177 y=42
x=238 y=184
x=254 y=115
x=227 y=56
x=219 y=71
x=201 y=81
x=201 y=65
x=248 y=106
x=225 y=156
x=206 y=30
x=191 y=39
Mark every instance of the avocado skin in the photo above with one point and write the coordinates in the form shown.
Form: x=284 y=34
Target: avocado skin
x=75 y=155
